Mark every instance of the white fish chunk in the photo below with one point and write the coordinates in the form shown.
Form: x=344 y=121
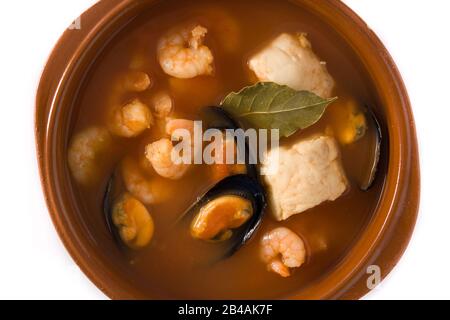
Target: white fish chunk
x=303 y=175
x=289 y=60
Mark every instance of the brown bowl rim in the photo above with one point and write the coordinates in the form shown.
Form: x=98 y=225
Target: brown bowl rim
x=387 y=237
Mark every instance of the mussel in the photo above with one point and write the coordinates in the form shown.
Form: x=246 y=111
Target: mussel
x=357 y=125
x=218 y=118
x=112 y=192
x=127 y=219
x=238 y=203
x=232 y=210
x=374 y=139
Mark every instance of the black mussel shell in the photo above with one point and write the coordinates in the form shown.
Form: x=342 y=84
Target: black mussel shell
x=112 y=192
x=239 y=185
x=374 y=128
x=218 y=118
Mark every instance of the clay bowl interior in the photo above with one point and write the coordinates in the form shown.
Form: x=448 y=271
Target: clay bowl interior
x=381 y=243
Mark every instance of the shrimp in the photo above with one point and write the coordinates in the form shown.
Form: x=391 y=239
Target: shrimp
x=85 y=152
x=131 y=119
x=183 y=55
x=162 y=105
x=148 y=190
x=135 y=81
x=173 y=125
x=282 y=249
x=159 y=154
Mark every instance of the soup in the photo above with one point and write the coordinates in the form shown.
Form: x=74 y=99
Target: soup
x=222 y=231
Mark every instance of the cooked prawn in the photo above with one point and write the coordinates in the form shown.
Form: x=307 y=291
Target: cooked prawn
x=84 y=152
x=131 y=119
x=159 y=154
x=281 y=250
x=134 y=81
x=174 y=125
x=148 y=190
x=183 y=55
x=162 y=105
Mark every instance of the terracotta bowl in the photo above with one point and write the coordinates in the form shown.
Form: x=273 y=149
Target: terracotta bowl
x=382 y=241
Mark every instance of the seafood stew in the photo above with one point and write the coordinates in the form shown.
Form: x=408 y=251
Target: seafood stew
x=215 y=229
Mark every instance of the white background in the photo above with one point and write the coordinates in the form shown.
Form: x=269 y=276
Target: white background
x=35 y=265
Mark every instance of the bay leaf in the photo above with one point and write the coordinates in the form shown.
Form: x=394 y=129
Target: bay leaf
x=267 y=105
